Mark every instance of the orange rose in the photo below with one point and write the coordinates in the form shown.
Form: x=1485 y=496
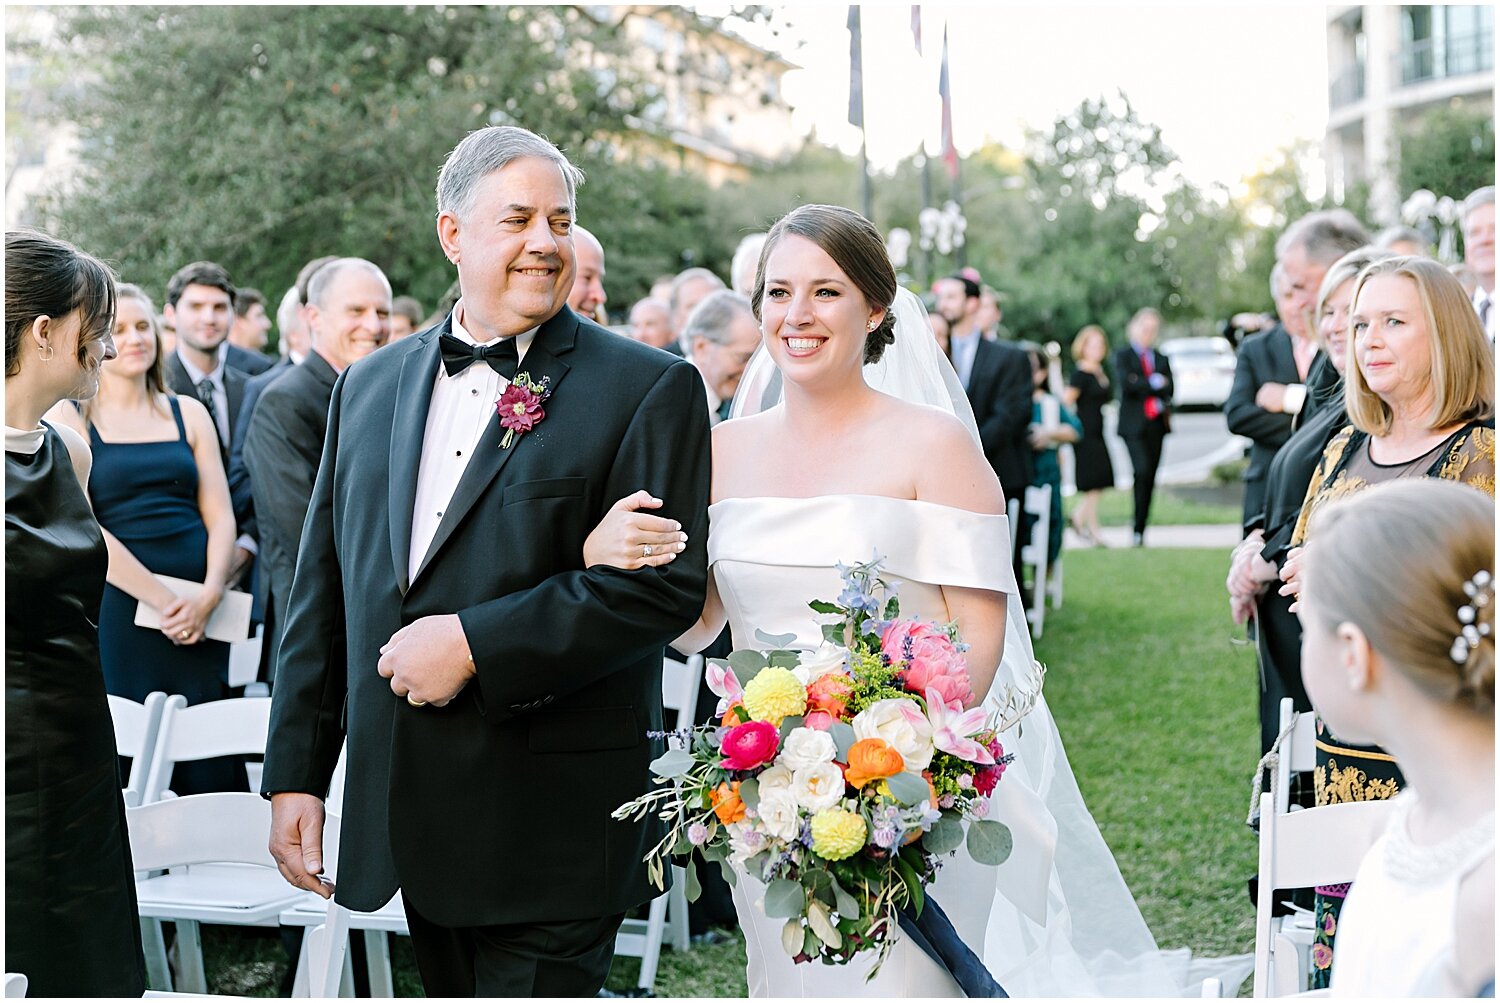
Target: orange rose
x=727 y=803
x=830 y=693
x=872 y=759
x=734 y=714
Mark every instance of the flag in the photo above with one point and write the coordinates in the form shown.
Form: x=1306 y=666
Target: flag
x=916 y=27
x=950 y=152
x=856 y=72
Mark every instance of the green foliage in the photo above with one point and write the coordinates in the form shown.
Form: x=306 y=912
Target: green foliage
x=1448 y=151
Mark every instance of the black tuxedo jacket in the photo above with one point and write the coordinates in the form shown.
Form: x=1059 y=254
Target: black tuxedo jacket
x=247 y=362
x=283 y=443
x=1000 y=392
x=240 y=492
x=495 y=808
x=1135 y=388
x=1263 y=358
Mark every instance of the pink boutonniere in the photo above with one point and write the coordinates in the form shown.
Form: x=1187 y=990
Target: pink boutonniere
x=520 y=406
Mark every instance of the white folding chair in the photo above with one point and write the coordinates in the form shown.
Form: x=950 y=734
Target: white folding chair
x=205 y=731
x=1055 y=583
x=136 y=727
x=1013 y=515
x=1298 y=752
x=213 y=848
x=1302 y=849
x=667 y=916
x=1034 y=553
x=15 y=986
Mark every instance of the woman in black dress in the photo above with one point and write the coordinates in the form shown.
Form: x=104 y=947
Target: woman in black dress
x=1086 y=393
x=70 y=910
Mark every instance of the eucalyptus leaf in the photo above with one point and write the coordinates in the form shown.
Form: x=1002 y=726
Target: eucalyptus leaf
x=774 y=640
x=892 y=608
x=913 y=885
x=789 y=723
x=715 y=851
x=846 y=904
x=819 y=921
x=833 y=633
x=672 y=763
x=843 y=738
x=746 y=663
x=728 y=871
x=990 y=842
x=784 y=899
x=908 y=788
x=791 y=937
x=784 y=659
x=750 y=793
x=810 y=944
x=945 y=836
x=694 y=889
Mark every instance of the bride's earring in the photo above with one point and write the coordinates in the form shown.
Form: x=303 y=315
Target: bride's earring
x=870 y=328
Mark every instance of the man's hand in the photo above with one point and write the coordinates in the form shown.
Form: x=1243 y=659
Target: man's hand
x=1271 y=397
x=297 y=841
x=238 y=566
x=428 y=660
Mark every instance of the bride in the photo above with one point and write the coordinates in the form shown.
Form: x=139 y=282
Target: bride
x=851 y=435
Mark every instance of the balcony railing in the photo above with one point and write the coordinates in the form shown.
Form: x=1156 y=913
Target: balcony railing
x=1436 y=59
x=1348 y=87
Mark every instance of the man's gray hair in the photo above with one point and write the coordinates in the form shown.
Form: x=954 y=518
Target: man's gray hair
x=324 y=278
x=1393 y=235
x=1142 y=314
x=485 y=151
x=683 y=278
x=289 y=313
x=1478 y=197
x=1324 y=236
x=1278 y=275
x=745 y=262
x=714 y=314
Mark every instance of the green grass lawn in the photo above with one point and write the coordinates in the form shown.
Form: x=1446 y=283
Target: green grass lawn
x=1167 y=509
x=1156 y=706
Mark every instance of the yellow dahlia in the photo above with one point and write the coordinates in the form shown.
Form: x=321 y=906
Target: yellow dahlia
x=837 y=833
x=773 y=694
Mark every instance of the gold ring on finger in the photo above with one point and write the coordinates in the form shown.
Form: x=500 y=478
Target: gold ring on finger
x=414 y=701
x=647 y=549
x=183 y=634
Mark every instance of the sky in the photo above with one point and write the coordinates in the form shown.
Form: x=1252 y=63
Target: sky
x=1229 y=84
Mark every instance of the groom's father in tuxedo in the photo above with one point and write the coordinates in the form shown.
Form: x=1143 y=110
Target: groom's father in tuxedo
x=496 y=694
x=1145 y=407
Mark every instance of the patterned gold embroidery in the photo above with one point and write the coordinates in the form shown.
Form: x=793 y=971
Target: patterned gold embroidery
x=1333 y=455
x=1335 y=785
x=1472 y=461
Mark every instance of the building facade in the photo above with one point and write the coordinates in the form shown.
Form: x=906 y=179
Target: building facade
x=1387 y=66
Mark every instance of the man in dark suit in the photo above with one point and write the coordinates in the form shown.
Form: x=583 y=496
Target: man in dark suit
x=1145 y=378
x=497 y=695
x=1270 y=385
x=348 y=312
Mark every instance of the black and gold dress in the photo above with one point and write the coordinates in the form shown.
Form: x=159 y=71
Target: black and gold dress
x=70 y=909
x=1348 y=772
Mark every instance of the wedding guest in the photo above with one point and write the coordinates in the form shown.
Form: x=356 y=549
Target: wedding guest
x=348 y=310
x=1145 y=409
x=1420 y=392
x=250 y=327
x=168 y=332
x=651 y=323
x=587 y=297
x=1257 y=562
x=688 y=290
x=1478 y=225
x=1466 y=278
x=70 y=907
x=746 y=259
x=940 y=328
x=406 y=317
x=159 y=492
x=990 y=314
x=1399 y=607
x=200 y=304
x=722 y=333
x=1402 y=240
x=1052 y=424
x=1086 y=393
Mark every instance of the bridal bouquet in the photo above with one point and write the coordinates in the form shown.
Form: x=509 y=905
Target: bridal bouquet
x=839 y=777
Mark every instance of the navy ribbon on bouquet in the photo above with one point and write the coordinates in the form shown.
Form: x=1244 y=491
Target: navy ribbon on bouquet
x=934 y=934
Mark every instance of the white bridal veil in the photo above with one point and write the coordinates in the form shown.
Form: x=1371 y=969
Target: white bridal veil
x=1062 y=921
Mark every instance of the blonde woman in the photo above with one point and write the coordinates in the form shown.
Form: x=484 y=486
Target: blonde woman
x=1086 y=394
x=1399 y=614
x=159 y=490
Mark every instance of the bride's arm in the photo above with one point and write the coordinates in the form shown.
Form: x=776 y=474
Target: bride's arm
x=955 y=473
x=710 y=624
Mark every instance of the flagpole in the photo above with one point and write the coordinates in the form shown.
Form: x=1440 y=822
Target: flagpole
x=959 y=252
x=857 y=109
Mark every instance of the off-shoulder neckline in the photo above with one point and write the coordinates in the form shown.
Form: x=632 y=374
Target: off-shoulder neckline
x=857 y=497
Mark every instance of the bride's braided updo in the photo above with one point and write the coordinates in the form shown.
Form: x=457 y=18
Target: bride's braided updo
x=855 y=246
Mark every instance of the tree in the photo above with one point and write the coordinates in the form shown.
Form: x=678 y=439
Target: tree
x=261 y=137
x=1449 y=151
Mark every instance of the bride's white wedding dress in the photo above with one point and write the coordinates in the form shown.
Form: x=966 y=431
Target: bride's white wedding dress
x=1055 y=919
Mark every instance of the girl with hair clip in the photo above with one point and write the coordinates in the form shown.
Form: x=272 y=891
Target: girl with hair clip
x=1398 y=609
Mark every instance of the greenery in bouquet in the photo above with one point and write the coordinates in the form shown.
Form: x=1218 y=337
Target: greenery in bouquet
x=839 y=777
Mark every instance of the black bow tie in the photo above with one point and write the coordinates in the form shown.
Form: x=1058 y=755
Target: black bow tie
x=501 y=356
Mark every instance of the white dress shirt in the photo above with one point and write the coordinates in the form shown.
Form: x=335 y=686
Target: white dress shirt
x=216 y=380
x=462 y=407
x=1484 y=305
x=962 y=349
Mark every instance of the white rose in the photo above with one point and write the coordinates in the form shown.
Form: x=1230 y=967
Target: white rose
x=901 y=725
x=776 y=780
x=806 y=747
x=779 y=816
x=826 y=659
x=818 y=787
x=744 y=841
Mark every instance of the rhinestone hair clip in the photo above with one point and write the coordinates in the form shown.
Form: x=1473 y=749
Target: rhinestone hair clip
x=1479 y=591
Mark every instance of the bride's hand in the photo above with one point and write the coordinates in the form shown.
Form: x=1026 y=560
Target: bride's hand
x=625 y=534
